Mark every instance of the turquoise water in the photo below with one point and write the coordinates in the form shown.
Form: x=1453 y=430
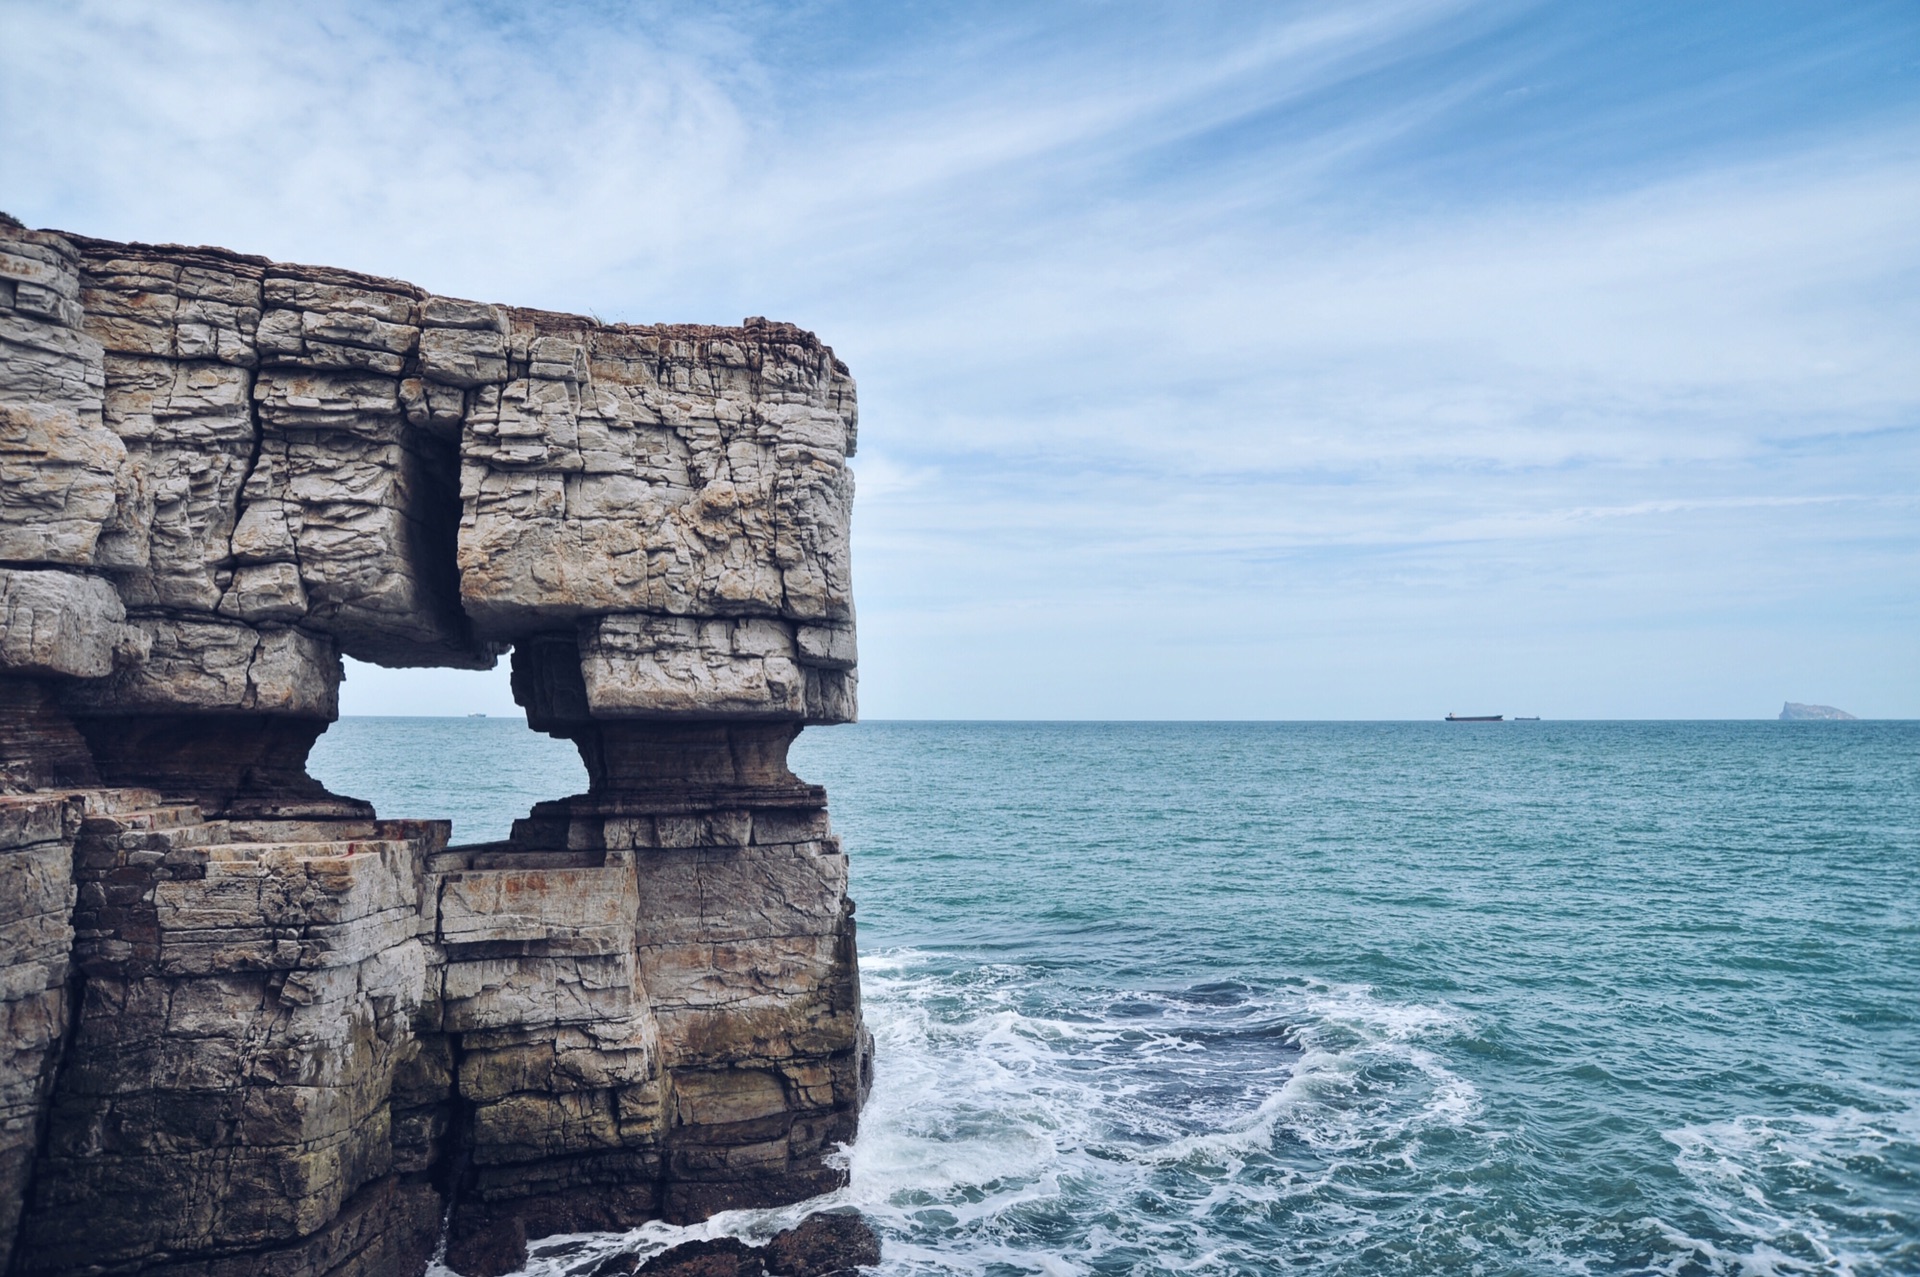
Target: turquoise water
x=1352 y=998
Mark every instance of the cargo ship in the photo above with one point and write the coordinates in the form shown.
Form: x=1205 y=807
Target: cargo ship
x=1476 y=718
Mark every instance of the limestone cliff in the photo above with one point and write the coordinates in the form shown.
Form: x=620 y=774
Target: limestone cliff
x=251 y=1027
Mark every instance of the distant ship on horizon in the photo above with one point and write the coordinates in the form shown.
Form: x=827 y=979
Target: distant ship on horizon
x=1476 y=718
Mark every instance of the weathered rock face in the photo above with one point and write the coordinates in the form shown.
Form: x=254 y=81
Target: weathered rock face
x=252 y=1028
x=36 y=910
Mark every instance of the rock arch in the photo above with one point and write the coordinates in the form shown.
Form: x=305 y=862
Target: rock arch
x=255 y=1027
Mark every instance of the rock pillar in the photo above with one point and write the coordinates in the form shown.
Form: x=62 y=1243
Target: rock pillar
x=681 y=652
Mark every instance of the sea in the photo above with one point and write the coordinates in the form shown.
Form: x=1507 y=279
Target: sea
x=1344 y=998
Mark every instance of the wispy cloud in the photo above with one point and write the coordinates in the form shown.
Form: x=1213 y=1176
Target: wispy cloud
x=1303 y=337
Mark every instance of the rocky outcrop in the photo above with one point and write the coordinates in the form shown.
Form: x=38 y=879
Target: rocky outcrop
x=829 y=1244
x=1794 y=711
x=253 y=1028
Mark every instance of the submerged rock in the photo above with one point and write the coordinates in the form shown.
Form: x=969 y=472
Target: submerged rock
x=299 y=1037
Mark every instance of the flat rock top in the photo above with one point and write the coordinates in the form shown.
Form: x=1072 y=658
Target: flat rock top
x=226 y=472
x=1794 y=711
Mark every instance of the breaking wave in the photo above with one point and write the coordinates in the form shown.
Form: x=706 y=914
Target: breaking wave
x=1019 y=1125
x=1799 y=1194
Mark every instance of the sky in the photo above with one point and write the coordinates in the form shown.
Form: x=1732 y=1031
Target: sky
x=1298 y=361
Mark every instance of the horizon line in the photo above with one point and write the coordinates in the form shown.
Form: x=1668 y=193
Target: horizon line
x=1775 y=718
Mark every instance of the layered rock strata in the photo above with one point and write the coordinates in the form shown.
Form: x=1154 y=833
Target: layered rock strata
x=252 y=1027
x=36 y=912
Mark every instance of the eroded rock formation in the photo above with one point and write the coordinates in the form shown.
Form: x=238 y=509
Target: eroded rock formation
x=1794 y=711
x=251 y=1027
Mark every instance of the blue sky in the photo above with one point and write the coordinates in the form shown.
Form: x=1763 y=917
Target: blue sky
x=1216 y=361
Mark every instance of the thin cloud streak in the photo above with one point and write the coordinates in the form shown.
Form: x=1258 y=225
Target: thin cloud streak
x=1283 y=317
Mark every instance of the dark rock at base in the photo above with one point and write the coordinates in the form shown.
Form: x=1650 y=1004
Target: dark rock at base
x=488 y=1247
x=830 y=1244
x=691 y=1201
x=485 y=1241
x=721 y=1257
x=822 y=1245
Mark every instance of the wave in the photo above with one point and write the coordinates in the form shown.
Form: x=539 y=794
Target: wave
x=1024 y=1124
x=1019 y=1126
x=1796 y=1193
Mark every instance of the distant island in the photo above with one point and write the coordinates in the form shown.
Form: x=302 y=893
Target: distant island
x=1795 y=712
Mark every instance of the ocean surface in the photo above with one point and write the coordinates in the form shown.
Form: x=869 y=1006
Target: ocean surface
x=1347 y=998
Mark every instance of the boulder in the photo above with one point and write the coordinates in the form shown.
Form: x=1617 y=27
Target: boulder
x=828 y=1244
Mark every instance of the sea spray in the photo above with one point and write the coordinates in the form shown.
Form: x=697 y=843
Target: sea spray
x=1133 y=1130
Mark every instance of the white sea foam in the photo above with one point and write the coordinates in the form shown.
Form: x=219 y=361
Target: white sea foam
x=1296 y=1127
x=1781 y=1184
x=1020 y=1127
x=1007 y=1137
